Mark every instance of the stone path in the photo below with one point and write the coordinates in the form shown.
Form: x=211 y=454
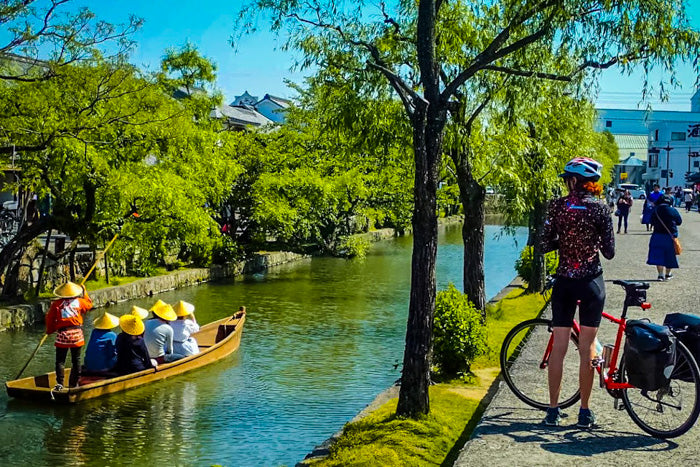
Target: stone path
x=511 y=434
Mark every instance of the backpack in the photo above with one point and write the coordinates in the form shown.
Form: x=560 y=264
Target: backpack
x=650 y=354
x=686 y=328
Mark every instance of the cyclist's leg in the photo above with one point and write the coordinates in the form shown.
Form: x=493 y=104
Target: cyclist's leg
x=563 y=309
x=555 y=367
x=586 y=374
x=590 y=314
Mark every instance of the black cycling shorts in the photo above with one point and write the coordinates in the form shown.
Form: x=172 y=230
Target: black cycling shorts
x=566 y=294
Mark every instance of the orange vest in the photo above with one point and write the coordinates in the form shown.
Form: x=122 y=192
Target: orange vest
x=66 y=312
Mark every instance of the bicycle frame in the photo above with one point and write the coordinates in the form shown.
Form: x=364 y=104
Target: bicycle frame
x=612 y=366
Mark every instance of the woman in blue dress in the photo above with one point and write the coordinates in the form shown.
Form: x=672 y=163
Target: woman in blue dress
x=662 y=254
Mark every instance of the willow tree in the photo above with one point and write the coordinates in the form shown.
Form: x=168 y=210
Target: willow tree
x=40 y=38
x=400 y=44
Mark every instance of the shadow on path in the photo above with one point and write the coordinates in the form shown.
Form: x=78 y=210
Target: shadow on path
x=569 y=440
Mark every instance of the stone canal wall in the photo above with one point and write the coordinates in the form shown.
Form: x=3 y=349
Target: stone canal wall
x=17 y=316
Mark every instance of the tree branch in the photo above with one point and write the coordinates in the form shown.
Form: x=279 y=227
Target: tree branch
x=494 y=51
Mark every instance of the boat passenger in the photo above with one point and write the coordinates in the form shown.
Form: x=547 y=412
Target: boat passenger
x=183 y=328
x=132 y=353
x=65 y=318
x=101 y=351
x=159 y=334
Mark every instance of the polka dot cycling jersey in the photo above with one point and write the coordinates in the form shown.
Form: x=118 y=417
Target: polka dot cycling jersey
x=579 y=226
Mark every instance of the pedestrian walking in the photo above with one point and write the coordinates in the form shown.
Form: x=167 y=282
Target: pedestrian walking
x=688 y=200
x=662 y=252
x=624 y=203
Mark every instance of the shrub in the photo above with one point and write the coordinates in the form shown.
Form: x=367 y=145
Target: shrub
x=353 y=247
x=459 y=333
x=523 y=266
x=226 y=251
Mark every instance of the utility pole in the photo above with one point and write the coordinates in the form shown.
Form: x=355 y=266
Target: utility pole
x=668 y=150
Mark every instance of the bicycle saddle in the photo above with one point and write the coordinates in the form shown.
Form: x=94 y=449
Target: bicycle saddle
x=638 y=285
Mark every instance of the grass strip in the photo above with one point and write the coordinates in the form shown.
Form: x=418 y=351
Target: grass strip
x=455 y=407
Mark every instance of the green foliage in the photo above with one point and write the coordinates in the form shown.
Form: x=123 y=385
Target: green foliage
x=523 y=265
x=459 y=333
x=226 y=250
x=353 y=246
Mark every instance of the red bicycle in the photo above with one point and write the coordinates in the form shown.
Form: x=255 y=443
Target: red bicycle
x=666 y=413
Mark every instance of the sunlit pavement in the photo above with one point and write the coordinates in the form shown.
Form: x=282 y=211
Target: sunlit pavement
x=512 y=434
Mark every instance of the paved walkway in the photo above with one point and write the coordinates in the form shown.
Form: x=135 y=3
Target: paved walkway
x=511 y=434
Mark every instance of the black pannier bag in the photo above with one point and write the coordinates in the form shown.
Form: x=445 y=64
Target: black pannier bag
x=650 y=354
x=686 y=328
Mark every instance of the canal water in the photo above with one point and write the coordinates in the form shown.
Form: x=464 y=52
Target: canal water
x=323 y=337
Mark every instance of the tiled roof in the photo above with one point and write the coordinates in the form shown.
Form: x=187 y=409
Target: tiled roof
x=631 y=141
x=282 y=102
x=240 y=115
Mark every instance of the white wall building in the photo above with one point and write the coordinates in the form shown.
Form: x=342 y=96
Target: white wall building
x=677 y=130
x=273 y=107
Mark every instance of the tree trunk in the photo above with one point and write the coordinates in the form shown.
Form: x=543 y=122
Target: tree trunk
x=415 y=378
x=535 y=283
x=473 y=197
x=26 y=233
x=40 y=280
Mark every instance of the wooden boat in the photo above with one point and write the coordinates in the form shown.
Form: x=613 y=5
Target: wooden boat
x=216 y=340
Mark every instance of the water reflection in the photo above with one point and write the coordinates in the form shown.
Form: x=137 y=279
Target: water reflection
x=321 y=340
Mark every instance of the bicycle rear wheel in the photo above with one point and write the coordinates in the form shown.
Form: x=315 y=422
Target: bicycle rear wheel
x=521 y=355
x=672 y=410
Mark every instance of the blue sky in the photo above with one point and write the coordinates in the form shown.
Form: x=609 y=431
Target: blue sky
x=259 y=66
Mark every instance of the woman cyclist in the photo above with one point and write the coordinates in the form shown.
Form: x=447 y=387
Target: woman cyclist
x=579 y=226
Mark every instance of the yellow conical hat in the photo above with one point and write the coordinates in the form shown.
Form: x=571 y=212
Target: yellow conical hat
x=68 y=290
x=157 y=304
x=106 y=321
x=132 y=324
x=140 y=312
x=164 y=311
x=183 y=308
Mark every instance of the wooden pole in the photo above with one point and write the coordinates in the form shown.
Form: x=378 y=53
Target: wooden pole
x=99 y=257
x=32 y=356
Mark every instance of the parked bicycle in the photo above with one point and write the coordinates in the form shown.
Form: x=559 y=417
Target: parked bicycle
x=664 y=413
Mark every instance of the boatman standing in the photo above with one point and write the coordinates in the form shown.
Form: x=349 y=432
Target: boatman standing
x=65 y=318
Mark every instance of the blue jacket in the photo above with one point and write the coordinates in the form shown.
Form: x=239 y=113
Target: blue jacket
x=101 y=353
x=133 y=354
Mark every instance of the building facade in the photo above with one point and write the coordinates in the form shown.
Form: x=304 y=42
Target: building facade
x=672 y=149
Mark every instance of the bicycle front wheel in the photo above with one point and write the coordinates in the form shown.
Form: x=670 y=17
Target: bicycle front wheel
x=672 y=410
x=521 y=359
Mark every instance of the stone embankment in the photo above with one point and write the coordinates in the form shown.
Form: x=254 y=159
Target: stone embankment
x=16 y=316
x=511 y=433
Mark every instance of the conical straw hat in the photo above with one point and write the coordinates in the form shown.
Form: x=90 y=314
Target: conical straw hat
x=132 y=324
x=157 y=304
x=106 y=321
x=68 y=290
x=165 y=312
x=183 y=308
x=140 y=312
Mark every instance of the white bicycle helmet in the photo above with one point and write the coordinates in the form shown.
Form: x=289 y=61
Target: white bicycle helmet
x=584 y=167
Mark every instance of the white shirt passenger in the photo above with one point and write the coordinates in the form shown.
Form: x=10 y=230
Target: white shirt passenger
x=183 y=342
